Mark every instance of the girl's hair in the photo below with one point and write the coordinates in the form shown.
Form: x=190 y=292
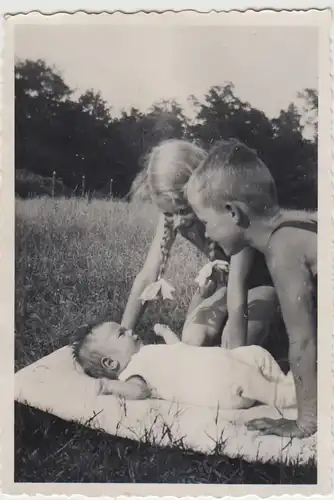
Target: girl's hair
x=166 y=244
x=168 y=168
x=233 y=172
x=212 y=250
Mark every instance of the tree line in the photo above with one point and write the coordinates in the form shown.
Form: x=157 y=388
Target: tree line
x=78 y=136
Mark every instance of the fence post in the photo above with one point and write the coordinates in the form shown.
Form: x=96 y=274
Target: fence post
x=83 y=186
x=53 y=183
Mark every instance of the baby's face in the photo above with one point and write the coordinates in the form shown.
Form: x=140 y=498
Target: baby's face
x=110 y=340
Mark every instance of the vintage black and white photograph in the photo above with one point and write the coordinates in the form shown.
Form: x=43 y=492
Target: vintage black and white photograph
x=167 y=204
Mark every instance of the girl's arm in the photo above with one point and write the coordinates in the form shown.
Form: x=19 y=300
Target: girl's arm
x=134 y=388
x=149 y=273
x=235 y=331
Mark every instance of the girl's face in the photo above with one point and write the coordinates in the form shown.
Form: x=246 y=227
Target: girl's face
x=222 y=228
x=182 y=214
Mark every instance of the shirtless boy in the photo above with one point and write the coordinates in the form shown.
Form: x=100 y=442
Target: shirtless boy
x=234 y=194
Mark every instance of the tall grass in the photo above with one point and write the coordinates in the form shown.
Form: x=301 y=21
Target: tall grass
x=76 y=261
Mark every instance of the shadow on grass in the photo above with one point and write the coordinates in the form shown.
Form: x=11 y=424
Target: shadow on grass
x=48 y=449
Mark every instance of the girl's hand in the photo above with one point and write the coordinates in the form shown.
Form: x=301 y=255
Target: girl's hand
x=208 y=288
x=282 y=427
x=212 y=276
x=212 y=283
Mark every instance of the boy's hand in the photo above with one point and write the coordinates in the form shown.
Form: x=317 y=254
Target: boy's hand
x=281 y=427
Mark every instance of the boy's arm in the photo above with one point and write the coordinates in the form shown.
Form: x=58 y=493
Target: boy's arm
x=235 y=331
x=133 y=388
x=293 y=285
x=166 y=333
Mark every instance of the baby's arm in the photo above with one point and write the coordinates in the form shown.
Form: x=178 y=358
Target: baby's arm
x=166 y=333
x=133 y=388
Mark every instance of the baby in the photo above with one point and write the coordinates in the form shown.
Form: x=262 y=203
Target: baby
x=202 y=376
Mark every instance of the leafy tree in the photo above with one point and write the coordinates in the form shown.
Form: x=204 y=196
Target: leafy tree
x=79 y=136
x=310 y=100
x=279 y=142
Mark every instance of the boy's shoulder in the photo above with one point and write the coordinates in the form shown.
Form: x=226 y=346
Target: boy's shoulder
x=291 y=239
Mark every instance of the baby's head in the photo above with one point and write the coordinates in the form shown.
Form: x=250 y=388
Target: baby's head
x=229 y=190
x=104 y=349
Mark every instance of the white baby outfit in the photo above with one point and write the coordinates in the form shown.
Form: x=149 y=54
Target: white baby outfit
x=212 y=376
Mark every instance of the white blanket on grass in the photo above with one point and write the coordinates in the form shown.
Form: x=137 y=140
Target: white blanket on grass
x=54 y=384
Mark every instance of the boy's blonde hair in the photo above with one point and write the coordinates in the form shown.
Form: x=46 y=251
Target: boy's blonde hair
x=168 y=168
x=233 y=172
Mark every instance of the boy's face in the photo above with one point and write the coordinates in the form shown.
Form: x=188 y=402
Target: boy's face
x=223 y=228
x=115 y=343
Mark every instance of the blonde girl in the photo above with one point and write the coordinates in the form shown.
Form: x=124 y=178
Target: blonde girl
x=239 y=313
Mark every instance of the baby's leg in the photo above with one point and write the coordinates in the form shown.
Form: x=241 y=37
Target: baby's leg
x=261 y=359
x=204 y=322
x=273 y=393
x=166 y=333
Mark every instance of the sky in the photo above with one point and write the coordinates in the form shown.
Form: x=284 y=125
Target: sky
x=139 y=65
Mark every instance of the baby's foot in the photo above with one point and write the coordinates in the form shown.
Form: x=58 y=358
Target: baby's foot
x=161 y=330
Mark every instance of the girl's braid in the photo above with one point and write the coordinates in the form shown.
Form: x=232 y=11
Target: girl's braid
x=166 y=244
x=213 y=282
x=211 y=250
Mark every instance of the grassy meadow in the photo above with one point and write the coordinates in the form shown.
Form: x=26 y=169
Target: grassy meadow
x=76 y=261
